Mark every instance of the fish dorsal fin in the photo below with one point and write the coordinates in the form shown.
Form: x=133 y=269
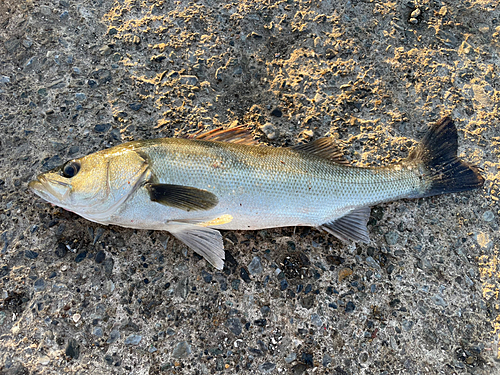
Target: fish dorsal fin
x=205 y=241
x=351 y=226
x=238 y=134
x=184 y=197
x=323 y=148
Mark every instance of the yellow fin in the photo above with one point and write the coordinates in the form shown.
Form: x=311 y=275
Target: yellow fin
x=224 y=219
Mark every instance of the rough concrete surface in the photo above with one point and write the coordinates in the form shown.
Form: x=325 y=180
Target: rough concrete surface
x=80 y=76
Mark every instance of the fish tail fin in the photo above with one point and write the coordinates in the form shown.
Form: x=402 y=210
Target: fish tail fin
x=443 y=171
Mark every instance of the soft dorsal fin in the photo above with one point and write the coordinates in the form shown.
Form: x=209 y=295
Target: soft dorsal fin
x=351 y=226
x=238 y=134
x=323 y=148
x=184 y=197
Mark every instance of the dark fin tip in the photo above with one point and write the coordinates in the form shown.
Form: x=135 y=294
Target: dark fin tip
x=438 y=154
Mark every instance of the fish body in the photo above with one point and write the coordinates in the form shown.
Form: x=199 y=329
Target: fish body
x=194 y=187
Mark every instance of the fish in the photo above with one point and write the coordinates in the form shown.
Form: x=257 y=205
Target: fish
x=221 y=180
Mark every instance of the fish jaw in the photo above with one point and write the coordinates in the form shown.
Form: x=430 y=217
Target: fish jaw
x=51 y=190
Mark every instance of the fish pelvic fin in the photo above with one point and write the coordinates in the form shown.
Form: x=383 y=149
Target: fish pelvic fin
x=351 y=227
x=205 y=241
x=442 y=171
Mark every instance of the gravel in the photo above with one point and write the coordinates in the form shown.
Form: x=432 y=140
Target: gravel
x=81 y=77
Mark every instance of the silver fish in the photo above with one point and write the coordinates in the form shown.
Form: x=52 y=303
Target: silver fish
x=193 y=187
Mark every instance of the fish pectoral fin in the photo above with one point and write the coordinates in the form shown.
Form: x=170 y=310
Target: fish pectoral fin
x=184 y=197
x=324 y=148
x=205 y=241
x=351 y=226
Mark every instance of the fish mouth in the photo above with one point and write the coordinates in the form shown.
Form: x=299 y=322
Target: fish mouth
x=44 y=187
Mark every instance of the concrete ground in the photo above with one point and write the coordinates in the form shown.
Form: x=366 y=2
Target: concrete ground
x=80 y=76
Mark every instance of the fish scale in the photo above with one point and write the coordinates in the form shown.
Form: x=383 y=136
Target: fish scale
x=281 y=186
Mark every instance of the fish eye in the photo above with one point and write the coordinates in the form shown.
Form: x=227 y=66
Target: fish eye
x=70 y=169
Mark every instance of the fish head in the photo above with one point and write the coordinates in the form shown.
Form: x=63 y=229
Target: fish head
x=96 y=185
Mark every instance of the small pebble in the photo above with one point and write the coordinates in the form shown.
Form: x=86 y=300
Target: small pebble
x=97 y=331
x=135 y=106
x=407 y=325
x=188 y=80
x=276 y=112
x=81 y=256
x=307 y=134
x=234 y=325
x=182 y=350
x=343 y=273
x=391 y=238
x=307 y=358
x=72 y=349
x=102 y=128
x=80 y=96
x=326 y=360
x=108 y=266
x=265 y=310
x=350 y=307
x=133 y=340
x=267 y=367
x=269 y=130
x=30 y=254
x=113 y=336
x=76 y=317
x=244 y=275
x=316 y=320
x=235 y=284
x=415 y=13
x=207 y=277
x=100 y=256
x=308 y=301
x=290 y=357
x=283 y=284
x=488 y=216
x=372 y=262
x=182 y=288
x=39 y=285
x=255 y=266
x=438 y=300
x=44 y=360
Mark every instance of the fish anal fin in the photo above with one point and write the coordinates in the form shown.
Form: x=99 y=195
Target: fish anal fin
x=238 y=134
x=184 y=197
x=324 y=148
x=351 y=226
x=205 y=241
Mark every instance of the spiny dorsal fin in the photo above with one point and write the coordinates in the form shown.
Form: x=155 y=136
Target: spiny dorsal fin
x=238 y=134
x=323 y=148
x=184 y=197
x=351 y=226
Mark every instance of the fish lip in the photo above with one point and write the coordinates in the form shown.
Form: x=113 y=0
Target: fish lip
x=41 y=186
